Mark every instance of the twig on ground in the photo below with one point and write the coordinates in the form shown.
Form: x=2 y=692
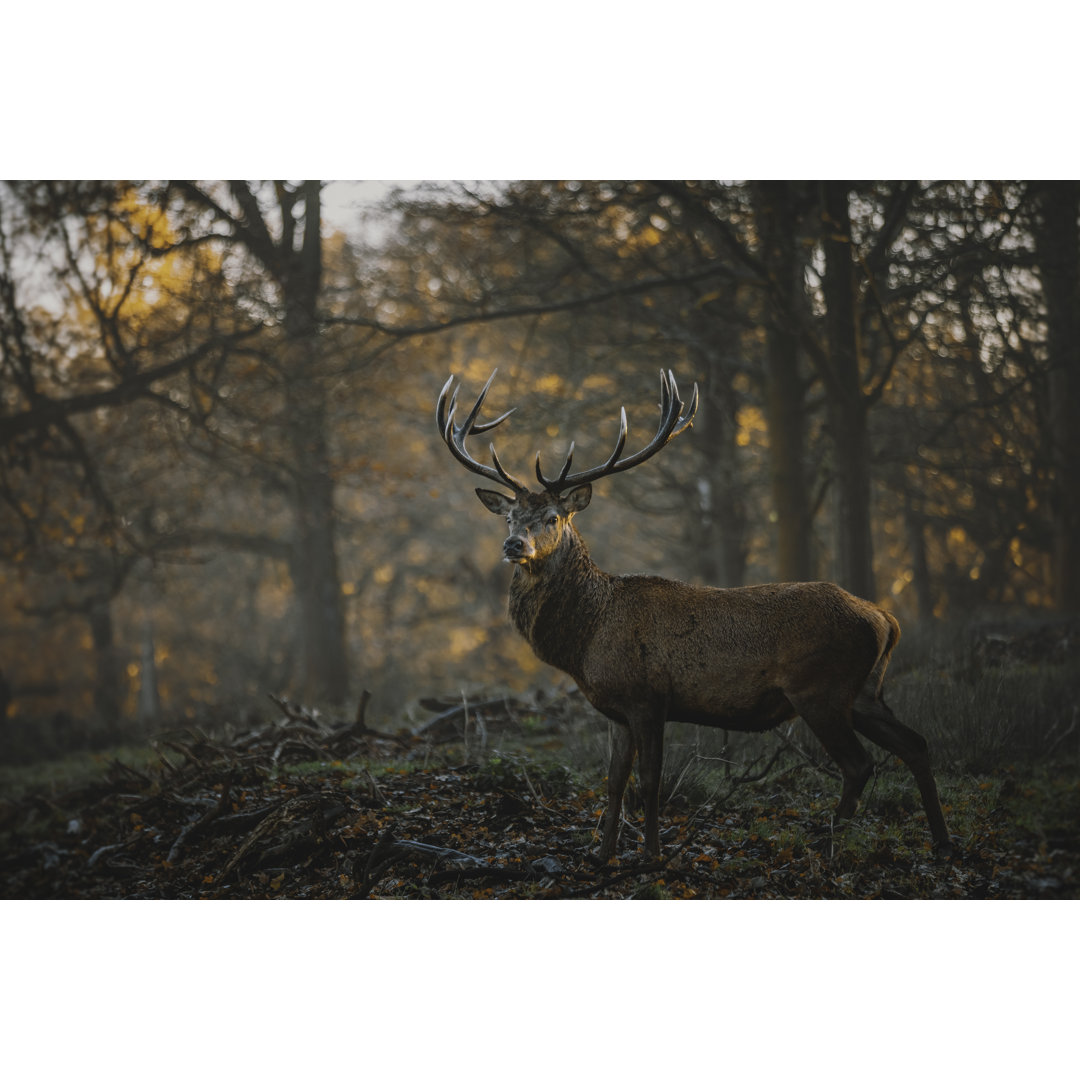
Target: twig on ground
x=215 y=811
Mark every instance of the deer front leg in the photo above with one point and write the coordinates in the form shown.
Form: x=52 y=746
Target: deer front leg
x=622 y=757
x=648 y=735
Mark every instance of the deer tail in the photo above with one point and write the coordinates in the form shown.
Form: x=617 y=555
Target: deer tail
x=877 y=673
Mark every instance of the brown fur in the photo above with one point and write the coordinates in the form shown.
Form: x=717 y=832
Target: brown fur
x=646 y=650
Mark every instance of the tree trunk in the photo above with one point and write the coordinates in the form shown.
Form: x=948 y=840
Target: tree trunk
x=314 y=562
x=784 y=391
x=314 y=566
x=294 y=264
x=722 y=548
x=915 y=528
x=1057 y=244
x=847 y=406
x=107 y=702
x=148 y=705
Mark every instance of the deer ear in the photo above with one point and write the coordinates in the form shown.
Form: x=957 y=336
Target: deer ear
x=577 y=499
x=495 y=501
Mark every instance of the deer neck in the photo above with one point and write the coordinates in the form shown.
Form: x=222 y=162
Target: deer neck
x=557 y=603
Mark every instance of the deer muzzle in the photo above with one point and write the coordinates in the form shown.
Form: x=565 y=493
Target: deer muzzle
x=518 y=549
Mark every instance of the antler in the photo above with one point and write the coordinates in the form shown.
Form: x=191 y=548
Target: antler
x=672 y=423
x=455 y=435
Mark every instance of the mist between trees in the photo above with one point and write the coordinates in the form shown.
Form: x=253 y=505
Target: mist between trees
x=220 y=474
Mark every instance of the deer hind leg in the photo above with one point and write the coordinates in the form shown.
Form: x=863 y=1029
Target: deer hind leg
x=874 y=719
x=622 y=757
x=832 y=724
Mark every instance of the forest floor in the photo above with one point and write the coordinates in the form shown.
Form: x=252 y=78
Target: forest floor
x=496 y=799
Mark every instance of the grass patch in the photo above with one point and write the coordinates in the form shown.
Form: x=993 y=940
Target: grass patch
x=73 y=770
x=979 y=720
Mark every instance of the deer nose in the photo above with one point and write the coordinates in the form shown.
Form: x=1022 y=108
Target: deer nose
x=517 y=547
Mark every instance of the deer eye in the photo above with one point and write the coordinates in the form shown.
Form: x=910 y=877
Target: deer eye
x=551 y=517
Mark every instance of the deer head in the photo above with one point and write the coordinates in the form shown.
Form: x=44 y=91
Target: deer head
x=538 y=520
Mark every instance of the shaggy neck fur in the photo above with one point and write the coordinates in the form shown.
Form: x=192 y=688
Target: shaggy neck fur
x=556 y=602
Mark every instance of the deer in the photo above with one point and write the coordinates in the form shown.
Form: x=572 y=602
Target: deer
x=646 y=651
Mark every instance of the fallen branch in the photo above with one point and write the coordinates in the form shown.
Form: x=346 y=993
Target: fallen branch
x=379 y=861
x=215 y=811
x=824 y=770
x=285 y=813
x=498 y=873
x=464 y=709
x=612 y=875
x=358 y=731
x=105 y=851
x=434 y=853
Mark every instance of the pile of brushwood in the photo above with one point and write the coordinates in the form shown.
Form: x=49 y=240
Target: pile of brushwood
x=298 y=806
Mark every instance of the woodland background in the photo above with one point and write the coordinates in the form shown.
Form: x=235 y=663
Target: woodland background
x=220 y=474
x=704 y=90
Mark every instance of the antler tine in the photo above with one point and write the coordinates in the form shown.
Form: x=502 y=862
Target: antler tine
x=667 y=397
x=687 y=420
x=470 y=420
x=620 y=442
x=440 y=408
x=672 y=423
x=504 y=476
x=554 y=485
x=454 y=435
x=487 y=425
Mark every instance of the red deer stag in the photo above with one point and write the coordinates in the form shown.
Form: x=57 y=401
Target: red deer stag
x=645 y=650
